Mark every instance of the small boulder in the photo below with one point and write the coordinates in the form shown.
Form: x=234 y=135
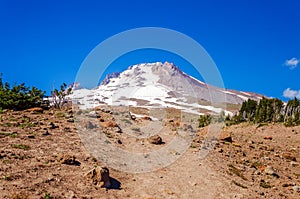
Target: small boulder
x=99 y=176
x=225 y=137
x=66 y=159
x=156 y=139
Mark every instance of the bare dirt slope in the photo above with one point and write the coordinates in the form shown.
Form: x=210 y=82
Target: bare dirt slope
x=257 y=162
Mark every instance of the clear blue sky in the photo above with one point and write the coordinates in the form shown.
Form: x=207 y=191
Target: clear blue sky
x=254 y=43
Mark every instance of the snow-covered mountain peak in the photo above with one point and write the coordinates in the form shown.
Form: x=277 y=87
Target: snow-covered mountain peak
x=160 y=85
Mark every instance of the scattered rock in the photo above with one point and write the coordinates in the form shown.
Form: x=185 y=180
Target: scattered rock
x=156 y=139
x=99 y=176
x=31 y=136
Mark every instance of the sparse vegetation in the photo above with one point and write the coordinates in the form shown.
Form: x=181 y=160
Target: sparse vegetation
x=236 y=171
x=239 y=184
x=265 y=184
x=47 y=196
x=204 y=120
x=20 y=146
x=13 y=135
x=59 y=96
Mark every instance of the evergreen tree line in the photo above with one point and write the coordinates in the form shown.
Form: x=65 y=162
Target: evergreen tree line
x=269 y=110
x=265 y=111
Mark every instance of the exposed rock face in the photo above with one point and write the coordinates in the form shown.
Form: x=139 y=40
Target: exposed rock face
x=109 y=77
x=99 y=176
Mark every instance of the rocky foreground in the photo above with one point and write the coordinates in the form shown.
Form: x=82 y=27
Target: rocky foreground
x=42 y=156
